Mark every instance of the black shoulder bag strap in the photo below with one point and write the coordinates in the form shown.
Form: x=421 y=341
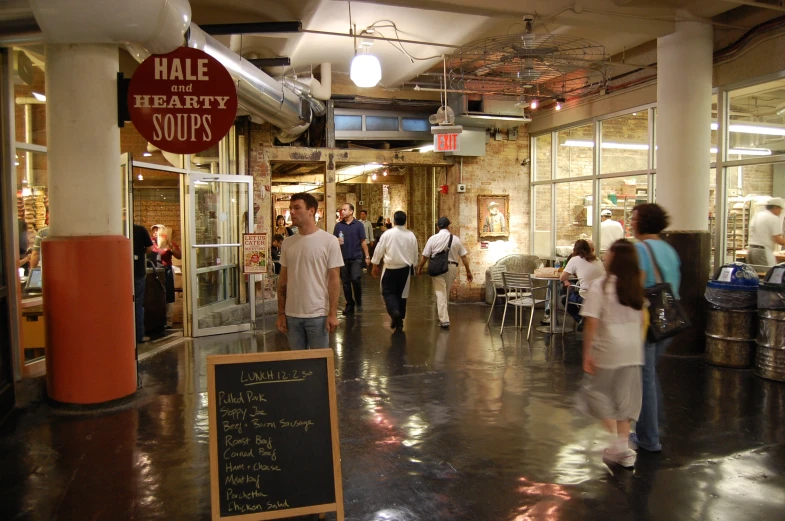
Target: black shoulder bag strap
x=657 y=271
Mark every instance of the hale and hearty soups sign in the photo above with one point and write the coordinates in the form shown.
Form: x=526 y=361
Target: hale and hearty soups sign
x=182 y=102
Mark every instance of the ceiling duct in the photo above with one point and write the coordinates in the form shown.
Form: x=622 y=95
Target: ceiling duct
x=488 y=111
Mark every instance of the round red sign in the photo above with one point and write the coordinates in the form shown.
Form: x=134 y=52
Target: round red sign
x=182 y=102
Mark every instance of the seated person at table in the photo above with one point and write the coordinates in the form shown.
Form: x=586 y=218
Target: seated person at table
x=584 y=265
x=276 y=252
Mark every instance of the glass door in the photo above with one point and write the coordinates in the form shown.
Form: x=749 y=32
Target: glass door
x=126 y=201
x=221 y=300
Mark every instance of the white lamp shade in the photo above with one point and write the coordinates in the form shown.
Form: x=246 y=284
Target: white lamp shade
x=365 y=71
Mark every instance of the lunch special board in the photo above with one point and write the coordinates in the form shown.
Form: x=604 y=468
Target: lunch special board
x=274 y=449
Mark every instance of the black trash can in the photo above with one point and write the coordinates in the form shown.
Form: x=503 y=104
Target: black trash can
x=770 y=353
x=731 y=325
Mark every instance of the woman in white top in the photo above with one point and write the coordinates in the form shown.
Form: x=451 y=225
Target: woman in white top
x=584 y=265
x=613 y=349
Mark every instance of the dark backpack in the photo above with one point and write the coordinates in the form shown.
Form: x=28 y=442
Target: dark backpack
x=438 y=264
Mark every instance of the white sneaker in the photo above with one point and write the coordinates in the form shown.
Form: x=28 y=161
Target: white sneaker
x=625 y=458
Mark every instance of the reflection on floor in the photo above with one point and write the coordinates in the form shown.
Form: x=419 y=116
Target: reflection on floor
x=462 y=424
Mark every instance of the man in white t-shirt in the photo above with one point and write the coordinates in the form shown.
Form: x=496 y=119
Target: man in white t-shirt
x=765 y=232
x=442 y=283
x=310 y=279
x=610 y=230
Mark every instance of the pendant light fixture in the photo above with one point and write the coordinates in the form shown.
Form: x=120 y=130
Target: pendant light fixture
x=365 y=71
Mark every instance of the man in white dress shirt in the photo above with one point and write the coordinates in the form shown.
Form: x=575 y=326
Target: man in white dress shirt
x=610 y=231
x=398 y=249
x=765 y=233
x=442 y=283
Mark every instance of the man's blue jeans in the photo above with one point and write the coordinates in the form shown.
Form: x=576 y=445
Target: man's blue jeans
x=139 y=285
x=652 y=407
x=308 y=333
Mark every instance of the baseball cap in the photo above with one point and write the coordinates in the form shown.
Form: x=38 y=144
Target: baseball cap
x=776 y=201
x=606 y=212
x=443 y=222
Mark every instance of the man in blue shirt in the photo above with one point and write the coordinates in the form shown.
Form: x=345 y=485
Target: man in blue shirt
x=351 y=237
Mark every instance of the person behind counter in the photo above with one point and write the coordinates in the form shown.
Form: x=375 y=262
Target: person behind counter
x=35 y=256
x=24 y=248
x=281 y=228
x=766 y=233
x=166 y=249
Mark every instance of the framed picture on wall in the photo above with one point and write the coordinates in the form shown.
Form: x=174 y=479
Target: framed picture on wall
x=493 y=216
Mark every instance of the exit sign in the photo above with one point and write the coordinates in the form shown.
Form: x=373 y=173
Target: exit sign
x=446 y=143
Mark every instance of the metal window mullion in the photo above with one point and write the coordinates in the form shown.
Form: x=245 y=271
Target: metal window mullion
x=721 y=185
x=554 y=166
x=596 y=199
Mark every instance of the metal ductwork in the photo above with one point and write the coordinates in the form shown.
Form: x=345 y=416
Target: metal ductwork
x=157 y=27
x=258 y=94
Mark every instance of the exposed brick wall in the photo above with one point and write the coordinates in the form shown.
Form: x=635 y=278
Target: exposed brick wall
x=419 y=188
x=148 y=212
x=499 y=172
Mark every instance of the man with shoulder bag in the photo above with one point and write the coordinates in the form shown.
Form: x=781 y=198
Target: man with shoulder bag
x=442 y=252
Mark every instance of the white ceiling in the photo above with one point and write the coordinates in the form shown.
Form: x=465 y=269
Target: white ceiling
x=617 y=24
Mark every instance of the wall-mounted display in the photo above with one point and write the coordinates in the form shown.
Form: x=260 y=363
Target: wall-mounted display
x=493 y=216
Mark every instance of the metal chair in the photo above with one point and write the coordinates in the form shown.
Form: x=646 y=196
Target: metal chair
x=498 y=284
x=570 y=288
x=520 y=293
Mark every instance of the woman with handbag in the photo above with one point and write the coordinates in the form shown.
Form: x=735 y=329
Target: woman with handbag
x=659 y=263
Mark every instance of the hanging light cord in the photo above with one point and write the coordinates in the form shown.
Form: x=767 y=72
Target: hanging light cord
x=390 y=24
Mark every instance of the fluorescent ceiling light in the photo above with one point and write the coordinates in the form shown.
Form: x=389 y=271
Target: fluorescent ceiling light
x=147 y=154
x=757 y=128
x=746 y=151
x=606 y=144
x=638 y=146
x=753 y=128
x=39 y=96
x=524 y=119
x=359 y=169
x=426 y=148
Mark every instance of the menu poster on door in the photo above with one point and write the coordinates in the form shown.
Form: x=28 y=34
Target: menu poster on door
x=274 y=450
x=254 y=253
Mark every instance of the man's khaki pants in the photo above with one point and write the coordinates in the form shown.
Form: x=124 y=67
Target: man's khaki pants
x=441 y=286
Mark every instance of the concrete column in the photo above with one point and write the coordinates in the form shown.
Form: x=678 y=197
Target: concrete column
x=83 y=139
x=87 y=262
x=684 y=74
x=684 y=78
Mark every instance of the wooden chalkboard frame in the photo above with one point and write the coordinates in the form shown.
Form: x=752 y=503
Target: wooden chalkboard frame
x=327 y=355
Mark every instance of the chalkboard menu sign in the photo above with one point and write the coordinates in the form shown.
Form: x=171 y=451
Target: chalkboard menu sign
x=274 y=449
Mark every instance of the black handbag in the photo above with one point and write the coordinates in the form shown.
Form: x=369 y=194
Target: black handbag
x=439 y=262
x=666 y=314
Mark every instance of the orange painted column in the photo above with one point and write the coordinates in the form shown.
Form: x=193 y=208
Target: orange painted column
x=86 y=261
x=88 y=307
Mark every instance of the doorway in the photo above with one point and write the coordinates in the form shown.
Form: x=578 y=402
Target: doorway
x=204 y=216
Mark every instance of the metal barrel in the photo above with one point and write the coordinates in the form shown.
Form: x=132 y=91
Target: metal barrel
x=730 y=337
x=770 y=356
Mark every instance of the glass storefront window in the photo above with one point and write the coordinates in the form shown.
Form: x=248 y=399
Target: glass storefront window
x=574 y=214
x=575 y=152
x=543 y=150
x=541 y=209
x=619 y=196
x=756 y=126
x=625 y=143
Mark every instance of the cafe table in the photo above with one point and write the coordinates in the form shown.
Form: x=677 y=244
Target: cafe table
x=554 y=283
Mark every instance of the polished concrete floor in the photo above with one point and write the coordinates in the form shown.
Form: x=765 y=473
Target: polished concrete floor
x=462 y=424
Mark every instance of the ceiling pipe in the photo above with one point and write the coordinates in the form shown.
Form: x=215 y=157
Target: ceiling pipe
x=305 y=92
x=258 y=94
x=157 y=25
